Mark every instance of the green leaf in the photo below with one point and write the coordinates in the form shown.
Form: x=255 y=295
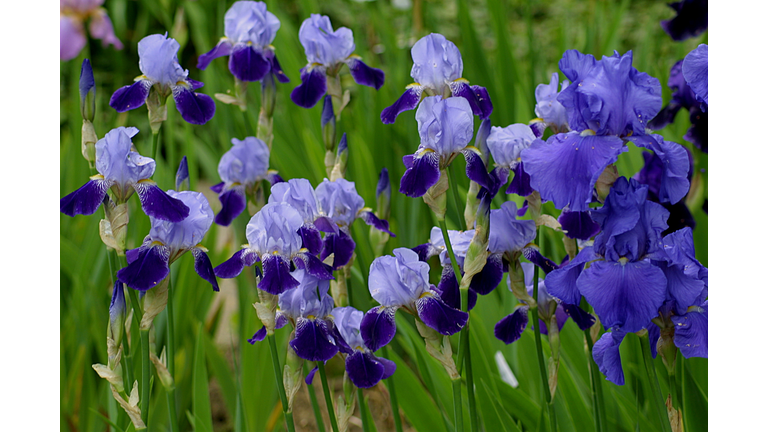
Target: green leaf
x=201 y=402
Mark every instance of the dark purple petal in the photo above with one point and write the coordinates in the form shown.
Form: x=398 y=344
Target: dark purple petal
x=692 y=332
x=158 y=204
x=521 y=182
x=425 y=251
x=132 y=254
x=310 y=376
x=277 y=275
x=221 y=49
x=561 y=283
x=665 y=116
x=448 y=289
x=477 y=172
x=578 y=225
x=667 y=171
x=654 y=334
x=691 y=19
x=341 y=246
x=477 y=97
x=365 y=75
x=233 y=266
x=682 y=286
x=204 y=268
x=489 y=277
x=624 y=295
x=377 y=327
x=86 y=199
x=313 y=266
x=313 y=340
x=194 y=85
x=538 y=129
x=182 y=175
x=438 y=315
x=326 y=225
x=277 y=71
x=247 y=64
x=218 y=187
x=131 y=96
x=533 y=255
x=511 y=327
x=389 y=367
x=380 y=224
x=258 y=336
x=311 y=89
x=565 y=169
x=195 y=108
x=698 y=133
x=420 y=175
x=581 y=318
x=408 y=101
x=232 y=204
x=326 y=115
x=606 y=355
x=149 y=268
x=311 y=239
x=364 y=369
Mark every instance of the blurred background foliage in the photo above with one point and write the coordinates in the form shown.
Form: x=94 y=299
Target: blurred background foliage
x=224 y=384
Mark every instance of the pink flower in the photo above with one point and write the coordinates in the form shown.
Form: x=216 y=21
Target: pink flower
x=74 y=13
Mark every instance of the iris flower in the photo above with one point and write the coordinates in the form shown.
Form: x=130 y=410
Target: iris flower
x=364 y=369
x=249 y=30
x=162 y=73
x=73 y=14
x=124 y=171
x=240 y=168
x=327 y=51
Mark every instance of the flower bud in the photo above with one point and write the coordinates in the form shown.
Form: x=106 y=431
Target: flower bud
x=158 y=110
x=342 y=155
x=182 y=176
x=117 y=313
x=383 y=195
x=477 y=253
x=268 y=94
x=292 y=375
x=162 y=370
x=439 y=347
x=436 y=197
x=87 y=91
x=328 y=123
x=88 y=142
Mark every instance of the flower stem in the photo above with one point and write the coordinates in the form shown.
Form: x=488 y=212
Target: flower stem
x=393 y=396
x=279 y=380
x=650 y=369
x=315 y=406
x=364 y=415
x=458 y=409
x=328 y=399
x=598 y=408
x=171 y=355
x=138 y=313
x=534 y=311
x=473 y=420
x=155 y=141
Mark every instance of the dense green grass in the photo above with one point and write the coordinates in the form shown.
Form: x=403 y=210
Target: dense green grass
x=508 y=47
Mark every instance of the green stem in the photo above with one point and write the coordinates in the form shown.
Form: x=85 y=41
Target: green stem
x=315 y=405
x=657 y=395
x=534 y=311
x=458 y=409
x=155 y=140
x=145 y=375
x=473 y=420
x=363 y=410
x=279 y=380
x=171 y=355
x=327 y=393
x=393 y=396
x=598 y=407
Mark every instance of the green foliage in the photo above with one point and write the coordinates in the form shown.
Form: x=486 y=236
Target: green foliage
x=508 y=47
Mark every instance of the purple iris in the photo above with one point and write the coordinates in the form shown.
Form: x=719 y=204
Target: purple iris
x=163 y=74
x=437 y=69
x=402 y=281
x=510 y=328
x=73 y=14
x=241 y=168
x=124 y=171
x=365 y=370
x=167 y=241
x=551 y=112
x=506 y=144
x=608 y=102
x=682 y=321
x=445 y=129
x=691 y=19
x=696 y=73
x=249 y=30
x=327 y=51
x=273 y=237
x=340 y=203
x=683 y=96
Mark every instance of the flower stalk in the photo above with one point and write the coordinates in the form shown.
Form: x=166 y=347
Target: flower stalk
x=327 y=394
x=657 y=395
x=279 y=381
x=534 y=311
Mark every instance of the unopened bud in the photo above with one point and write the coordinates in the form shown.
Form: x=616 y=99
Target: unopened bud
x=162 y=370
x=477 y=253
x=328 y=123
x=436 y=197
x=87 y=91
x=383 y=195
x=439 y=347
x=158 y=110
x=517 y=283
x=667 y=348
x=117 y=313
x=292 y=375
x=481 y=139
x=268 y=94
x=182 y=176
x=88 y=142
x=342 y=155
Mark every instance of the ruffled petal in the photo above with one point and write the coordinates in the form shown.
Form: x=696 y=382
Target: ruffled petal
x=692 y=331
x=438 y=315
x=277 y=275
x=578 y=225
x=377 y=327
x=248 y=64
x=147 y=270
x=627 y=296
x=561 y=283
x=606 y=355
x=421 y=174
x=131 y=96
x=158 y=204
x=223 y=48
x=204 y=268
x=195 y=108
x=313 y=266
x=511 y=327
x=364 y=369
x=311 y=89
x=364 y=74
x=408 y=101
x=86 y=199
x=313 y=340
x=232 y=204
